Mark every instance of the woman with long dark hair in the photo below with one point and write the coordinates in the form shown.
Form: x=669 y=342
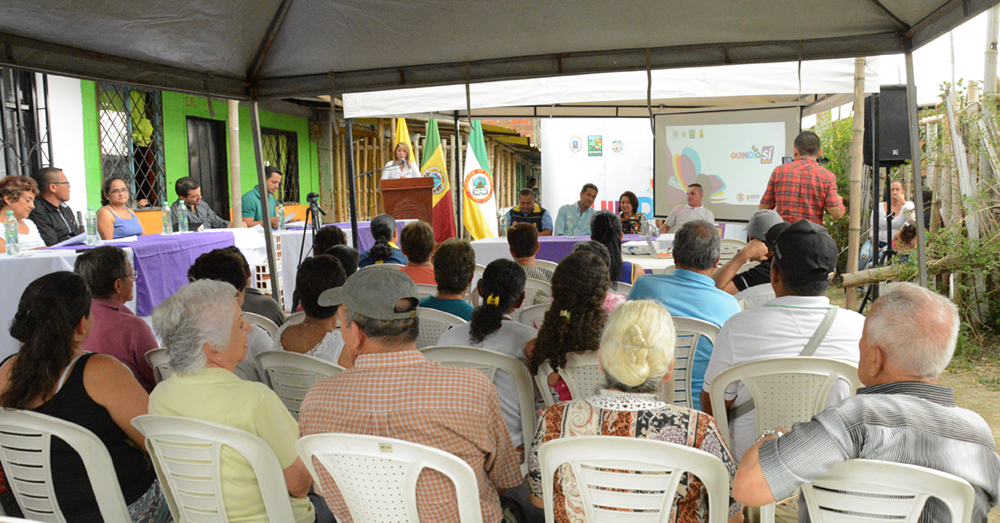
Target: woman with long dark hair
x=52 y=375
x=383 y=228
x=492 y=328
x=606 y=228
x=575 y=319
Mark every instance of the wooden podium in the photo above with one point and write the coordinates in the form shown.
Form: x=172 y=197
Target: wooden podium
x=409 y=198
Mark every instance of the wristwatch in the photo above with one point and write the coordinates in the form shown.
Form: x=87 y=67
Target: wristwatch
x=769 y=432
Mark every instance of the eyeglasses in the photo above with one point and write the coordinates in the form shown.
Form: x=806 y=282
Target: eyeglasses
x=117 y=191
x=134 y=276
x=59 y=183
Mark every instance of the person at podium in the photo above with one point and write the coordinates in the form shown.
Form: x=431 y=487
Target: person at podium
x=403 y=166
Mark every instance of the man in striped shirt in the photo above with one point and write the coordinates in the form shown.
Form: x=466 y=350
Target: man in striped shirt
x=900 y=415
x=802 y=189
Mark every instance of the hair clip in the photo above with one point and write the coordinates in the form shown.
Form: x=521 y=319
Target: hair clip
x=564 y=313
x=493 y=300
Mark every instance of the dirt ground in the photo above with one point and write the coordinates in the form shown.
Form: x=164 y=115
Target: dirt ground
x=984 y=400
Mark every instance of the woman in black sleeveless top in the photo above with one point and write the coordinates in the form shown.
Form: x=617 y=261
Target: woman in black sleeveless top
x=51 y=375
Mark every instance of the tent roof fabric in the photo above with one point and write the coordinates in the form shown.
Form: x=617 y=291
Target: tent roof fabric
x=282 y=48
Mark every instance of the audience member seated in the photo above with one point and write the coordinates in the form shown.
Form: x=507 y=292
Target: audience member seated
x=254 y=300
x=115 y=220
x=628 y=210
x=393 y=391
x=906 y=238
x=637 y=355
x=417 y=243
x=902 y=211
x=606 y=228
x=694 y=210
x=527 y=211
x=203 y=329
x=53 y=217
x=51 y=374
x=900 y=415
x=760 y=248
x=190 y=202
x=317 y=335
x=348 y=257
x=805 y=257
x=383 y=229
x=117 y=331
x=689 y=291
x=492 y=328
x=454 y=267
x=523 y=241
x=575 y=319
x=222 y=265
x=18 y=195
x=613 y=298
x=327 y=237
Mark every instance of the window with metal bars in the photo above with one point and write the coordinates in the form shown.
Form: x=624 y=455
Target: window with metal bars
x=25 y=145
x=281 y=150
x=131 y=137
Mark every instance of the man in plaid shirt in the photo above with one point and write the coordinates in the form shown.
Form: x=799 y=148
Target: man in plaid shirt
x=800 y=190
x=393 y=391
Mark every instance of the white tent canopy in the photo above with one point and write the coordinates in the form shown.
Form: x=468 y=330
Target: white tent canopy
x=282 y=48
x=624 y=94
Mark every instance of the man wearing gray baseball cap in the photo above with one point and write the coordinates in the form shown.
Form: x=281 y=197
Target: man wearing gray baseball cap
x=393 y=391
x=760 y=248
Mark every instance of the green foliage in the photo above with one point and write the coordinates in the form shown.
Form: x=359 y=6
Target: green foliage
x=835 y=139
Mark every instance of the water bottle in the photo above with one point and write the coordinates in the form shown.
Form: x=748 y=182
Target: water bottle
x=10 y=233
x=182 y=219
x=165 y=214
x=281 y=217
x=92 y=237
x=570 y=226
x=503 y=225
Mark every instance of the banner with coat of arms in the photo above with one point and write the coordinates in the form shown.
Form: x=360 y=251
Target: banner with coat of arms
x=480 y=204
x=433 y=166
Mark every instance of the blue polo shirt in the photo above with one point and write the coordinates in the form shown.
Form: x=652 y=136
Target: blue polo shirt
x=689 y=294
x=251 y=205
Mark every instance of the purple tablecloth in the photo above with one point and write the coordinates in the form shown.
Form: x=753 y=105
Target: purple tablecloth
x=555 y=248
x=365 y=233
x=162 y=263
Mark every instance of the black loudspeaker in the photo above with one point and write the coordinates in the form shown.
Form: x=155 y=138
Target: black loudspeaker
x=893 y=126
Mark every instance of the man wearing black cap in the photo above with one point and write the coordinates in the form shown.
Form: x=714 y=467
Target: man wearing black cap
x=805 y=256
x=764 y=228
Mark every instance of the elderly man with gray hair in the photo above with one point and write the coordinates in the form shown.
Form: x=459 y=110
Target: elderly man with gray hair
x=690 y=292
x=900 y=415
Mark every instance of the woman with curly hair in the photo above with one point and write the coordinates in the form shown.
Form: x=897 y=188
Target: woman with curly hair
x=575 y=319
x=605 y=227
x=17 y=194
x=492 y=328
x=628 y=210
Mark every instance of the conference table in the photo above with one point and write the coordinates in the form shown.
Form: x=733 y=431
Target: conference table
x=555 y=248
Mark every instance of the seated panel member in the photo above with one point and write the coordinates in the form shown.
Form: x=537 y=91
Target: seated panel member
x=685 y=213
x=53 y=218
x=581 y=212
x=199 y=214
x=527 y=211
x=252 y=212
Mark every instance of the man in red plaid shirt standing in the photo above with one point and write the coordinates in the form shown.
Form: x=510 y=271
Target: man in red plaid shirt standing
x=801 y=189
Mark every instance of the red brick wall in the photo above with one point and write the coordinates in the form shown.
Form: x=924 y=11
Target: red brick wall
x=523 y=126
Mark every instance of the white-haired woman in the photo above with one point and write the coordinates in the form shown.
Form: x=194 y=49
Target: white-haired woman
x=202 y=326
x=637 y=355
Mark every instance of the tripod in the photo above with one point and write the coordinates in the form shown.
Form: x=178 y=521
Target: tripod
x=314 y=211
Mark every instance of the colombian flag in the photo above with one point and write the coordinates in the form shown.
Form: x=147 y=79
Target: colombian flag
x=479 y=210
x=433 y=167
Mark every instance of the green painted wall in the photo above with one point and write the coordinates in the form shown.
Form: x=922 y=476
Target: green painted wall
x=176 y=108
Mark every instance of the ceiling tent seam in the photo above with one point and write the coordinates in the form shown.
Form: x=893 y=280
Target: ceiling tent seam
x=938 y=13
x=269 y=36
x=892 y=15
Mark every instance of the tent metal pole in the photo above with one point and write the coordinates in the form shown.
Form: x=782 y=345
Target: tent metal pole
x=258 y=154
x=351 y=196
x=459 y=185
x=918 y=184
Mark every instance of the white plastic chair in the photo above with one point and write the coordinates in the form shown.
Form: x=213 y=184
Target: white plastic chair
x=262 y=322
x=610 y=490
x=393 y=265
x=622 y=288
x=666 y=270
x=480 y=269
x=582 y=374
x=756 y=296
x=546 y=264
x=534 y=315
x=424 y=289
x=433 y=324
x=688 y=332
x=8 y=519
x=378 y=476
x=879 y=491
x=489 y=362
x=474 y=297
x=730 y=243
x=531 y=289
x=297 y=317
x=159 y=360
x=290 y=375
x=186 y=454
x=25 y=443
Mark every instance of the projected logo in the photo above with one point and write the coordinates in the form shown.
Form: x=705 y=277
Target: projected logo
x=740 y=197
x=479 y=186
x=765 y=154
x=575 y=144
x=687 y=170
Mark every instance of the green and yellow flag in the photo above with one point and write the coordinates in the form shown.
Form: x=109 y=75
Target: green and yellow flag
x=479 y=211
x=433 y=167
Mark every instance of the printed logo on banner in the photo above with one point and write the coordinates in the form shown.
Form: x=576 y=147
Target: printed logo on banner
x=676 y=133
x=575 y=144
x=595 y=145
x=691 y=133
x=438 y=175
x=478 y=186
x=618 y=147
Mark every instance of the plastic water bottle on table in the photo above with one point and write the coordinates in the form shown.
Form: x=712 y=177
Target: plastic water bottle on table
x=570 y=226
x=10 y=234
x=281 y=217
x=92 y=236
x=165 y=214
x=182 y=220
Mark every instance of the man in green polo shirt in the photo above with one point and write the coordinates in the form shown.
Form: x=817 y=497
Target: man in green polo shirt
x=252 y=214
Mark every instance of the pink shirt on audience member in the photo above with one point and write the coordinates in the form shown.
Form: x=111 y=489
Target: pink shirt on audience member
x=120 y=333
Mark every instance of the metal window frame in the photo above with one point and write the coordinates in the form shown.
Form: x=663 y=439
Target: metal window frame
x=30 y=151
x=290 y=190
x=158 y=194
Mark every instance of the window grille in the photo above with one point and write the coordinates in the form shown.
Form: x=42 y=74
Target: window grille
x=281 y=150
x=25 y=145
x=131 y=136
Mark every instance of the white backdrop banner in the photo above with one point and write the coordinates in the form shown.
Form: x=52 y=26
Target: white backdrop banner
x=615 y=154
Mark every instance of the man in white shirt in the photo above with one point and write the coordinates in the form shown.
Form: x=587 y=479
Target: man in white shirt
x=686 y=213
x=579 y=213
x=805 y=256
